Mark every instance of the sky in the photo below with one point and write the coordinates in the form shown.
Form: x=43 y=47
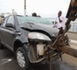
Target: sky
x=44 y=8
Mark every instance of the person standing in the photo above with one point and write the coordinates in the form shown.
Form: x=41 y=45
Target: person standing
x=60 y=21
x=34 y=14
x=1 y=20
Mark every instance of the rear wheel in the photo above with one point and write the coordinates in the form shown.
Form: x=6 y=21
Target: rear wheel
x=22 y=58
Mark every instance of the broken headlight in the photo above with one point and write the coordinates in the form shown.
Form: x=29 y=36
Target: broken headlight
x=40 y=36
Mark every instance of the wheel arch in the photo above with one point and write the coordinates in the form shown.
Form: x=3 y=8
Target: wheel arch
x=17 y=44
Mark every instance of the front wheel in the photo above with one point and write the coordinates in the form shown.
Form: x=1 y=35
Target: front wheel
x=22 y=58
x=1 y=46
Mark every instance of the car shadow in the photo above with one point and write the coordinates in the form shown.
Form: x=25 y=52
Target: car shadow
x=57 y=64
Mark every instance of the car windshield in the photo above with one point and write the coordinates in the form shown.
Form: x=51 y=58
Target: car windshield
x=35 y=20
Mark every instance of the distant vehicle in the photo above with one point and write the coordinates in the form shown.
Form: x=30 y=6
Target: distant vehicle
x=29 y=38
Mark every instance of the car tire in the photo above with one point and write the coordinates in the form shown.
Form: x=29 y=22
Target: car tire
x=22 y=59
x=1 y=46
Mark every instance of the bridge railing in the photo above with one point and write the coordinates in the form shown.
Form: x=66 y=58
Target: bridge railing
x=73 y=27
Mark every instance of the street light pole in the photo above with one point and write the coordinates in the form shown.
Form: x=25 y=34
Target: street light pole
x=25 y=7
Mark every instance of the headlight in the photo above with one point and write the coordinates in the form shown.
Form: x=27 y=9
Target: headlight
x=36 y=35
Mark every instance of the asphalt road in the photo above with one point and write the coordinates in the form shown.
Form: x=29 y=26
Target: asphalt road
x=8 y=62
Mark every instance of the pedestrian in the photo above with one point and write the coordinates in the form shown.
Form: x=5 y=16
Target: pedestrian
x=34 y=14
x=59 y=23
x=1 y=20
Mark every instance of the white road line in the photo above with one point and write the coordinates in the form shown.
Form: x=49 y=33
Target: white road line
x=4 y=61
x=73 y=41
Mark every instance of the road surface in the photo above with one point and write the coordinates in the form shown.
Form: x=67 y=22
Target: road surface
x=8 y=62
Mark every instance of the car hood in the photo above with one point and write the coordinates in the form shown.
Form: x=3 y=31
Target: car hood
x=41 y=27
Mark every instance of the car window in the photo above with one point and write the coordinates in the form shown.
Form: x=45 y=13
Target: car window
x=10 y=20
x=24 y=19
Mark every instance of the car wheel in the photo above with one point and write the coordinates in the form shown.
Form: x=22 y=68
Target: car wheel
x=22 y=58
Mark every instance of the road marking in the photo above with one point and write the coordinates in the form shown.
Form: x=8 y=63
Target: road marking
x=4 y=61
x=73 y=41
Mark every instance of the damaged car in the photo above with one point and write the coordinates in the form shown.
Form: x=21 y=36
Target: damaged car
x=30 y=39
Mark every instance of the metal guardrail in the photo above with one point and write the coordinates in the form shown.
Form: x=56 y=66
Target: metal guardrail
x=73 y=27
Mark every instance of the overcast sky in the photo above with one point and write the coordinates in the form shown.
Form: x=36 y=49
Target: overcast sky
x=45 y=8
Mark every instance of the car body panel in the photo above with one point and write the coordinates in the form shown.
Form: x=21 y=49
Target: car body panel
x=10 y=35
x=40 y=27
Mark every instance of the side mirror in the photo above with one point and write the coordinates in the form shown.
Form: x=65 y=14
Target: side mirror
x=9 y=25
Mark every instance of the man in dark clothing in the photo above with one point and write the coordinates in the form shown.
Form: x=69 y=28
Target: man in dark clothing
x=34 y=14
